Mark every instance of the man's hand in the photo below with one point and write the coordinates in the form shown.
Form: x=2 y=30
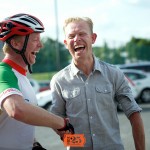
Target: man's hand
x=67 y=127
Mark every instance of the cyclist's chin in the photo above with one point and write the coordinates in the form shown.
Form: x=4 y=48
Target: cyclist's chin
x=31 y=61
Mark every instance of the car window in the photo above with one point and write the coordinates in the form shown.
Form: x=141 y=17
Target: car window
x=139 y=66
x=44 y=84
x=135 y=76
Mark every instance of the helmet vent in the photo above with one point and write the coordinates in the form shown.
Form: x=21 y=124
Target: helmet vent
x=40 y=29
x=28 y=20
x=23 y=30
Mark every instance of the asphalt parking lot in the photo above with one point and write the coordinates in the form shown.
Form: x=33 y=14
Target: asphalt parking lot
x=50 y=140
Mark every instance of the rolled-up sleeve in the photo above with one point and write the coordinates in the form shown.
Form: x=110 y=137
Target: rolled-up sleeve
x=124 y=95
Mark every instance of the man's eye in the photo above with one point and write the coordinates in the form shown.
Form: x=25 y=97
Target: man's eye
x=82 y=34
x=71 y=36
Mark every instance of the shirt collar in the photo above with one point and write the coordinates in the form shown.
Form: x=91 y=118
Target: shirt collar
x=97 y=66
x=15 y=66
x=74 y=69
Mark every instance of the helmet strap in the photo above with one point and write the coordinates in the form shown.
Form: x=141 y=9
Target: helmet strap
x=22 y=52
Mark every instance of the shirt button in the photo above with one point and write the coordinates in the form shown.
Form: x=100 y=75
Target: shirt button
x=91 y=117
x=89 y=99
x=93 y=134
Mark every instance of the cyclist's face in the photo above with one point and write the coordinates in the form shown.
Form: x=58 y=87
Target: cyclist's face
x=33 y=47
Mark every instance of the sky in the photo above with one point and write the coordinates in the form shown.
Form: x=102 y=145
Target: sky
x=115 y=21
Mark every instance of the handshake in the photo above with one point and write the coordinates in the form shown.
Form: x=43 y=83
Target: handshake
x=68 y=128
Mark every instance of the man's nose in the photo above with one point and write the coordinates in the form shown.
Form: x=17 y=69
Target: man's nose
x=77 y=38
x=40 y=44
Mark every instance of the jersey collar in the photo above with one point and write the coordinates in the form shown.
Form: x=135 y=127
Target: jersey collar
x=15 y=66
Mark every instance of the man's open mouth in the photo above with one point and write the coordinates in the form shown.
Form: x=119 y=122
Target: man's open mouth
x=79 y=48
x=34 y=53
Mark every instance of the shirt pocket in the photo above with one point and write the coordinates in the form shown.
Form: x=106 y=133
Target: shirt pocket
x=70 y=94
x=104 y=96
x=73 y=99
x=103 y=89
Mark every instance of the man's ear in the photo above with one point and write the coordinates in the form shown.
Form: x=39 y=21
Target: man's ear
x=15 y=43
x=65 y=42
x=94 y=36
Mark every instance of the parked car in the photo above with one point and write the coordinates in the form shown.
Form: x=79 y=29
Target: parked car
x=142 y=83
x=44 y=85
x=133 y=87
x=44 y=99
x=35 y=85
x=143 y=66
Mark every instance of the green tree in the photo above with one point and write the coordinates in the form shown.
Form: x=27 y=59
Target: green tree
x=135 y=49
x=103 y=52
x=138 y=49
x=46 y=58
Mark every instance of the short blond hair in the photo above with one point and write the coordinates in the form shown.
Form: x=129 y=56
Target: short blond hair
x=6 y=48
x=77 y=19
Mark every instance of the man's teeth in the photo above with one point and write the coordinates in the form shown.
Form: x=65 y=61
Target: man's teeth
x=79 y=46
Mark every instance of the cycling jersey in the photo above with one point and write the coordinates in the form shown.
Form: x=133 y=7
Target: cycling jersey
x=15 y=135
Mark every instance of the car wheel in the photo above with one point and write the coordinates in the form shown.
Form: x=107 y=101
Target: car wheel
x=145 y=95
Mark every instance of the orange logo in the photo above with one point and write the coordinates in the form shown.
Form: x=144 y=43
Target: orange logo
x=74 y=140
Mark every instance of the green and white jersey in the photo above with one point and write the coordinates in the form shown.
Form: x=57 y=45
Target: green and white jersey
x=15 y=135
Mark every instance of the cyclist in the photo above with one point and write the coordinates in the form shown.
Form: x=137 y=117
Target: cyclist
x=19 y=112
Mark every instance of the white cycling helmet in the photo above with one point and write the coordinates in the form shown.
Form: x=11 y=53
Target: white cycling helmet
x=19 y=24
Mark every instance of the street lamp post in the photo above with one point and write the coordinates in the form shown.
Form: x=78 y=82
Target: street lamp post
x=57 y=37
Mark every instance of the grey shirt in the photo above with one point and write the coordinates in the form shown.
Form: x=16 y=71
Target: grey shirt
x=91 y=103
